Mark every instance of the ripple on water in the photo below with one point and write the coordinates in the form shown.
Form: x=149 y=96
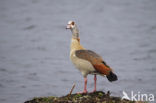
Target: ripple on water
x=152 y=51
x=33 y=76
x=3 y=69
x=30 y=27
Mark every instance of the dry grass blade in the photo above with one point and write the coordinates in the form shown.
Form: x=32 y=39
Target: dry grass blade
x=72 y=89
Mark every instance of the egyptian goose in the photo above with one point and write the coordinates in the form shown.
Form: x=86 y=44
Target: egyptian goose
x=87 y=61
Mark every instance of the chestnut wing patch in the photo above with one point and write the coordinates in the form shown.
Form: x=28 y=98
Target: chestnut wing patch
x=94 y=59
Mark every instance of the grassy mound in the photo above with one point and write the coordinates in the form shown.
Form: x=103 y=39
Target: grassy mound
x=96 y=97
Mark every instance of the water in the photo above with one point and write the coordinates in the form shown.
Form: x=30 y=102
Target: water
x=34 y=46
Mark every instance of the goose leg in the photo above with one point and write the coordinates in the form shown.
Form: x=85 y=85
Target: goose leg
x=85 y=86
x=95 y=83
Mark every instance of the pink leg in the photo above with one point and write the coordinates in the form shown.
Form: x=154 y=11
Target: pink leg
x=95 y=83
x=85 y=86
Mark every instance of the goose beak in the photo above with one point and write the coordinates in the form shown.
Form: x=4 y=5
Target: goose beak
x=68 y=26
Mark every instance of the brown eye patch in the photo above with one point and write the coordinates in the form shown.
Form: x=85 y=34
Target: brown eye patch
x=72 y=23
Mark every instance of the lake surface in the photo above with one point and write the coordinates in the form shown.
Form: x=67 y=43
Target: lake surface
x=34 y=46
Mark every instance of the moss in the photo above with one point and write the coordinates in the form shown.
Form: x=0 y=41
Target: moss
x=77 y=95
x=100 y=94
x=96 y=97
